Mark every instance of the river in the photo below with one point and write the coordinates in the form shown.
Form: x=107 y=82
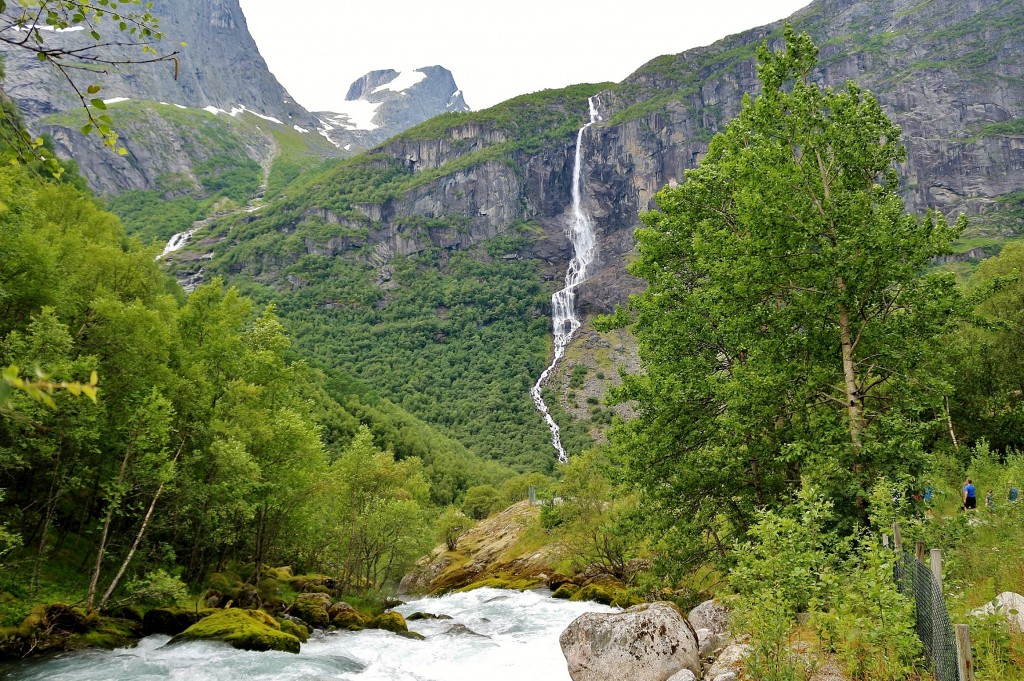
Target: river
x=493 y=635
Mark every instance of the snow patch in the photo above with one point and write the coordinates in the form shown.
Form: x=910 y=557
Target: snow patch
x=235 y=110
x=403 y=81
x=116 y=100
x=299 y=128
x=355 y=114
x=51 y=29
x=348 y=147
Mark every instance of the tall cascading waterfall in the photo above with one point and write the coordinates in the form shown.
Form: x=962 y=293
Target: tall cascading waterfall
x=563 y=303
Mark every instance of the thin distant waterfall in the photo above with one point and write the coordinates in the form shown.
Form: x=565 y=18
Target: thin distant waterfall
x=563 y=302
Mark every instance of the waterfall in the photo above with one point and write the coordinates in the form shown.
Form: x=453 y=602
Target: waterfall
x=563 y=303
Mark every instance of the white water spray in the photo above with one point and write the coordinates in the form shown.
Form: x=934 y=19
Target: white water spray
x=563 y=302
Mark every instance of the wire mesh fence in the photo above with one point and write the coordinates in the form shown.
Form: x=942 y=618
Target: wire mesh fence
x=915 y=581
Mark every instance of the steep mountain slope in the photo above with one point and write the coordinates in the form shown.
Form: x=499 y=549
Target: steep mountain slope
x=383 y=103
x=425 y=266
x=219 y=66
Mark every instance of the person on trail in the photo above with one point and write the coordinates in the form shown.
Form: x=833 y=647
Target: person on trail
x=970 y=496
x=1014 y=493
x=990 y=501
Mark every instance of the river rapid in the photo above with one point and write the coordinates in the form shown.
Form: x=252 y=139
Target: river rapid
x=494 y=635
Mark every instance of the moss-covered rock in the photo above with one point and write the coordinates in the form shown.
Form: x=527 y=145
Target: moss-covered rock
x=389 y=621
x=311 y=608
x=296 y=628
x=243 y=629
x=344 y=616
x=59 y=627
x=595 y=593
x=171 y=621
x=281 y=574
x=426 y=616
x=566 y=590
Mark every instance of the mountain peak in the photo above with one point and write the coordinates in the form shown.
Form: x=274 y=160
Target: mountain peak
x=384 y=102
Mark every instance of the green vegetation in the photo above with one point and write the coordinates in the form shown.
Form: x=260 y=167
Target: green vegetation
x=208 y=443
x=456 y=338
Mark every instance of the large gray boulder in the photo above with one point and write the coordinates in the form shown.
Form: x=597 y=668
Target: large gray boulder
x=711 y=615
x=730 y=661
x=648 y=642
x=1009 y=605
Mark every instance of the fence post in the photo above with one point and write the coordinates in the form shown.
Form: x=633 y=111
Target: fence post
x=937 y=567
x=964 y=659
x=885 y=540
x=919 y=551
x=897 y=536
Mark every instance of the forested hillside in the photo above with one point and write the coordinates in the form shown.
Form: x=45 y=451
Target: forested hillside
x=209 y=442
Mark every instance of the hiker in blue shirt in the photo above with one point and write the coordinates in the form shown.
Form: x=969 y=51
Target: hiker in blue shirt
x=1014 y=493
x=970 y=496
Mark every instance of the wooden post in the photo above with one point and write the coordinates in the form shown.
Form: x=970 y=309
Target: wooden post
x=919 y=551
x=936 y=555
x=885 y=540
x=964 y=659
x=897 y=536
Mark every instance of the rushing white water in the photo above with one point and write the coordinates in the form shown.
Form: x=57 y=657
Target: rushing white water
x=494 y=635
x=177 y=241
x=564 y=321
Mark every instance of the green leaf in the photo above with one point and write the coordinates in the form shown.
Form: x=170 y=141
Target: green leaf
x=87 y=128
x=93 y=89
x=98 y=103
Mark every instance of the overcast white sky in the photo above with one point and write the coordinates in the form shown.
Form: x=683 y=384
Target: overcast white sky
x=495 y=50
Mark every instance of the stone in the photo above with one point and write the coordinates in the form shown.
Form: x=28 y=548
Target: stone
x=344 y=616
x=729 y=661
x=1009 y=605
x=389 y=621
x=708 y=642
x=648 y=642
x=243 y=629
x=311 y=608
x=170 y=621
x=711 y=615
x=683 y=675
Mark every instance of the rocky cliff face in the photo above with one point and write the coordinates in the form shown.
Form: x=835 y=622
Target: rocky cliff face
x=384 y=103
x=952 y=75
x=219 y=66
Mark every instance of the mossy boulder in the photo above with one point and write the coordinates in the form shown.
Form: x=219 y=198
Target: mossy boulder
x=243 y=629
x=566 y=590
x=389 y=621
x=595 y=593
x=294 y=626
x=280 y=574
x=59 y=627
x=426 y=616
x=311 y=608
x=171 y=621
x=344 y=616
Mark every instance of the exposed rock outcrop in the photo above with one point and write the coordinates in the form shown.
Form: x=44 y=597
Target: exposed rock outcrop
x=485 y=552
x=649 y=642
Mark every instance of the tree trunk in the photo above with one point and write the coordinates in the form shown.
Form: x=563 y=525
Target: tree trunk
x=854 y=408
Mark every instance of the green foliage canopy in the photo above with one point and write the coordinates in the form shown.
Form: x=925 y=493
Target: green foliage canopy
x=786 y=316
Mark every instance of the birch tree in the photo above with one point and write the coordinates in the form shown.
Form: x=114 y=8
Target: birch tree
x=787 y=313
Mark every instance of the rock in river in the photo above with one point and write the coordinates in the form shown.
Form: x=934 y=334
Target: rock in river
x=648 y=642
